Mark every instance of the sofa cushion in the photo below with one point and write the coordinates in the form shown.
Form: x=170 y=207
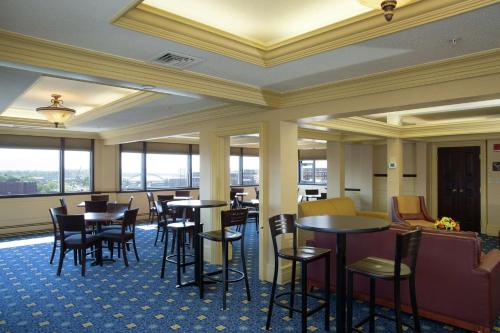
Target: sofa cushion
x=335 y=206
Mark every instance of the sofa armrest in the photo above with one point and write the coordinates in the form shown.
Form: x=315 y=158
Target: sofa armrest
x=491 y=262
x=380 y=215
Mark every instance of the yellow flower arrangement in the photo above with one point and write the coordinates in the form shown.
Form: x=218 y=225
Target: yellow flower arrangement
x=447 y=223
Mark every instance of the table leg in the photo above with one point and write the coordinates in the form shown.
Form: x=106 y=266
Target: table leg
x=341 y=287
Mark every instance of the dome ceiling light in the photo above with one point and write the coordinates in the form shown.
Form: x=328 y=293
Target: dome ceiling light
x=388 y=6
x=56 y=113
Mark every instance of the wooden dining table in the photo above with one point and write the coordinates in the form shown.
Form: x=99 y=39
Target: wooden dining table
x=341 y=226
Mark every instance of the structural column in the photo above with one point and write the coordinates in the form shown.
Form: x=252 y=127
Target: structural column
x=214 y=185
x=366 y=176
x=421 y=162
x=335 y=156
x=278 y=195
x=394 y=169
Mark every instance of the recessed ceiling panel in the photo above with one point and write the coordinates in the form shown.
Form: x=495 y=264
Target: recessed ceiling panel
x=78 y=95
x=262 y=21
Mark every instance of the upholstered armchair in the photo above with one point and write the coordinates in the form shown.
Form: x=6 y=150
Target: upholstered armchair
x=411 y=210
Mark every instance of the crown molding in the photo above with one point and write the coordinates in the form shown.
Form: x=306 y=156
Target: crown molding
x=486 y=126
x=453 y=69
x=153 y=21
x=361 y=126
x=19 y=49
x=36 y=127
x=308 y=133
x=127 y=102
x=183 y=123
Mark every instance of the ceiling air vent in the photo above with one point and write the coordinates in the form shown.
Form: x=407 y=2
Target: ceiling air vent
x=176 y=60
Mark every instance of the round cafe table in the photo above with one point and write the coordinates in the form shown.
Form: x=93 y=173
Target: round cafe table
x=196 y=205
x=341 y=226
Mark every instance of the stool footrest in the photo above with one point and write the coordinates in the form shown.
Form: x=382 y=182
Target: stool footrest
x=310 y=312
x=366 y=319
x=210 y=274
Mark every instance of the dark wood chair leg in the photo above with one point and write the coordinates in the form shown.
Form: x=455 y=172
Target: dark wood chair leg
x=178 y=252
x=165 y=250
x=273 y=293
x=53 y=251
x=83 y=256
x=397 y=306
x=135 y=249
x=372 y=305
x=244 y=264
x=99 y=253
x=174 y=241
x=350 y=287
x=303 y=281
x=111 y=247
x=75 y=257
x=327 y=292
x=292 y=288
x=183 y=248
x=61 y=259
x=224 y=276
x=157 y=234
x=414 y=306
x=201 y=264
x=124 y=249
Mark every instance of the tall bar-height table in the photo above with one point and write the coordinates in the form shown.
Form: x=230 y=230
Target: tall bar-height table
x=196 y=205
x=341 y=226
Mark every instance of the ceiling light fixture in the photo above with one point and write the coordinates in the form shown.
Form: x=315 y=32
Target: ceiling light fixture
x=388 y=6
x=56 y=113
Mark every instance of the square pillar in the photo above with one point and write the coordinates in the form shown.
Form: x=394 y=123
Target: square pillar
x=278 y=183
x=366 y=176
x=394 y=169
x=214 y=185
x=421 y=166
x=335 y=156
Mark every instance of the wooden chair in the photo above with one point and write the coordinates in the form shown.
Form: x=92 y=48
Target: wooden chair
x=73 y=236
x=375 y=268
x=179 y=230
x=153 y=210
x=63 y=203
x=99 y=197
x=285 y=224
x=230 y=218
x=165 y=216
x=123 y=235
x=96 y=206
x=117 y=208
x=57 y=236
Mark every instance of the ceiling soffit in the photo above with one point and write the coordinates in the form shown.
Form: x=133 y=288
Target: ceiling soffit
x=159 y=23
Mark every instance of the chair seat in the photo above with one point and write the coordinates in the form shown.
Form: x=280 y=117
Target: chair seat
x=216 y=235
x=421 y=223
x=181 y=225
x=115 y=234
x=303 y=253
x=378 y=268
x=253 y=213
x=76 y=239
x=111 y=227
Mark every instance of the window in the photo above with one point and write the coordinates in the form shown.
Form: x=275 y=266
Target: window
x=34 y=165
x=234 y=170
x=313 y=172
x=77 y=171
x=195 y=170
x=250 y=170
x=132 y=176
x=166 y=171
x=29 y=171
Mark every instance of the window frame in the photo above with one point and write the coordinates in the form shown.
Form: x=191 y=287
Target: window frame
x=300 y=182
x=62 y=190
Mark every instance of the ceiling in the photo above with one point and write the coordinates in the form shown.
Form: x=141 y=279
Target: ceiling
x=261 y=21
x=103 y=104
x=87 y=24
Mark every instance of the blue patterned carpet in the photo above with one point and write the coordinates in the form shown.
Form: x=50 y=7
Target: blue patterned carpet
x=118 y=299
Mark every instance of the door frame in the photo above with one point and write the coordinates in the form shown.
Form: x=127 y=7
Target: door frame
x=483 y=181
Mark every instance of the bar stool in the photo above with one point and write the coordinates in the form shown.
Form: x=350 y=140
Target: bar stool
x=285 y=224
x=374 y=268
x=179 y=230
x=230 y=218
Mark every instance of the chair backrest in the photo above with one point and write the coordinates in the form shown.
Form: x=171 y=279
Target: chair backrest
x=63 y=203
x=256 y=188
x=234 y=217
x=129 y=219
x=165 y=197
x=323 y=196
x=182 y=193
x=280 y=225
x=99 y=197
x=53 y=215
x=130 y=202
x=151 y=199
x=312 y=191
x=71 y=223
x=96 y=206
x=407 y=245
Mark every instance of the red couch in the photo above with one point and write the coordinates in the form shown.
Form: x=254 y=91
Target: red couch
x=456 y=283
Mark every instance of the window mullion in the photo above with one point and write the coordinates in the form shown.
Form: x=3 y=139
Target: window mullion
x=144 y=167
x=61 y=167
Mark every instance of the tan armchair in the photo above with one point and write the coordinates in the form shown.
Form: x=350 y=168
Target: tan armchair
x=411 y=210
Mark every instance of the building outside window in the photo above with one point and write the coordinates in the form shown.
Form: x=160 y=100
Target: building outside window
x=250 y=170
x=312 y=167
x=195 y=170
x=234 y=170
x=166 y=171
x=77 y=171
x=132 y=175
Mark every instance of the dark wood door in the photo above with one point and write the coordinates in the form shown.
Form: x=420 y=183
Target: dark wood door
x=459 y=196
